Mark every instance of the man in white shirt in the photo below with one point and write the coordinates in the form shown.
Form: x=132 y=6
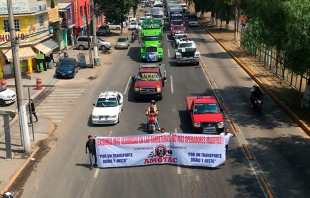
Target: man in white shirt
x=227 y=135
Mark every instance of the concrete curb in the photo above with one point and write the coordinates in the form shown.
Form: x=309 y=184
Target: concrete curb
x=301 y=123
x=18 y=172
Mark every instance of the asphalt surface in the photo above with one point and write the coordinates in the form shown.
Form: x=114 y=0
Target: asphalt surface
x=276 y=143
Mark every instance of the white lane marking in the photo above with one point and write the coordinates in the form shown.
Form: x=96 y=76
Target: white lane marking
x=110 y=133
x=171 y=84
x=168 y=53
x=126 y=88
x=96 y=173
x=179 y=170
x=175 y=130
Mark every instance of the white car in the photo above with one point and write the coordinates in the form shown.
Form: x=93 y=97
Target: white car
x=114 y=26
x=7 y=96
x=133 y=25
x=108 y=108
x=148 y=15
x=141 y=19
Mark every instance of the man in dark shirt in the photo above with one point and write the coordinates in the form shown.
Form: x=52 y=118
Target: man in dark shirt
x=32 y=111
x=91 y=146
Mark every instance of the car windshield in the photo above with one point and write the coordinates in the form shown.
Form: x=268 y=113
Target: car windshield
x=158 y=16
x=179 y=36
x=133 y=23
x=142 y=18
x=151 y=38
x=178 y=28
x=185 y=45
x=66 y=63
x=2 y=89
x=148 y=76
x=206 y=108
x=106 y=102
x=99 y=39
x=121 y=40
x=148 y=14
x=177 y=22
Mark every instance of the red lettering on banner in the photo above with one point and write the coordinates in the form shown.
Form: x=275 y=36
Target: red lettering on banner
x=104 y=141
x=165 y=138
x=174 y=138
x=1 y=38
x=116 y=141
x=180 y=138
x=214 y=140
x=195 y=139
x=147 y=139
x=140 y=139
x=161 y=159
x=130 y=140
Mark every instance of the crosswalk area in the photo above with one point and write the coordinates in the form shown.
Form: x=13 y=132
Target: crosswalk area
x=58 y=104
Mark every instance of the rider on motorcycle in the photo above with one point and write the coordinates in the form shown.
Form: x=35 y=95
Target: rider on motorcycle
x=255 y=94
x=152 y=109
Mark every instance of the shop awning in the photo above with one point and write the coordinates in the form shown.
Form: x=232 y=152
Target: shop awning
x=42 y=48
x=24 y=53
x=50 y=44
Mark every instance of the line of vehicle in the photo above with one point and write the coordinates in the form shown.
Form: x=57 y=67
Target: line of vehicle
x=171 y=84
x=127 y=86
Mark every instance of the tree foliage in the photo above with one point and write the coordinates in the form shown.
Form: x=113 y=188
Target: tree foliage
x=282 y=25
x=114 y=9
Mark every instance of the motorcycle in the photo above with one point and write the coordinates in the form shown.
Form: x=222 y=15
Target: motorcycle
x=151 y=122
x=258 y=104
x=132 y=38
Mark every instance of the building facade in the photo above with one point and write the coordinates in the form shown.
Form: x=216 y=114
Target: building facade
x=31 y=20
x=81 y=10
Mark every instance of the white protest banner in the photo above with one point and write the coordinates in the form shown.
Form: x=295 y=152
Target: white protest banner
x=180 y=149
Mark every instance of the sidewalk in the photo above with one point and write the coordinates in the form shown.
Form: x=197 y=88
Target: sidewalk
x=12 y=169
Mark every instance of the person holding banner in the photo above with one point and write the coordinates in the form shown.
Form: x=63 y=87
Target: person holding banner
x=91 y=146
x=227 y=135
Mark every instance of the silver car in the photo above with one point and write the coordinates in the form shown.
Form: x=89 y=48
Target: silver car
x=122 y=43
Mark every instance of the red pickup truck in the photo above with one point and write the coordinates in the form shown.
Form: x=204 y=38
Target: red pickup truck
x=206 y=114
x=149 y=81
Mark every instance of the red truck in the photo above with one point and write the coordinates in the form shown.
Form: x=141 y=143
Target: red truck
x=149 y=81
x=206 y=114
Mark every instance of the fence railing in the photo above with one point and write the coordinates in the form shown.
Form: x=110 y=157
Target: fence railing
x=274 y=62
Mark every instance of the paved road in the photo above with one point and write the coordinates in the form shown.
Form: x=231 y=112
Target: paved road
x=274 y=140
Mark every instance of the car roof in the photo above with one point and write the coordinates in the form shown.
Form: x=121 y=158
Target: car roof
x=205 y=99
x=108 y=94
x=143 y=69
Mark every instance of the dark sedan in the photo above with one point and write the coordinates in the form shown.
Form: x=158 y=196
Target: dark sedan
x=67 y=68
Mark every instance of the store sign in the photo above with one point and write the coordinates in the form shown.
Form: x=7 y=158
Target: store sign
x=19 y=6
x=53 y=14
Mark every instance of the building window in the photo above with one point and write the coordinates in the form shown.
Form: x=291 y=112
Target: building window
x=41 y=20
x=81 y=11
x=6 y=25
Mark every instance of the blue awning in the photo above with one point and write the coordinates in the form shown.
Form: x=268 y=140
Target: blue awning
x=51 y=44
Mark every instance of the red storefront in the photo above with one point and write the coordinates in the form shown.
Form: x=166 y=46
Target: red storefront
x=79 y=16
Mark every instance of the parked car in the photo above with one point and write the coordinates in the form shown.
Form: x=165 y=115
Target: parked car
x=7 y=96
x=147 y=4
x=108 y=108
x=122 y=42
x=103 y=30
x=114 y=26
x=133 y=25
x=141 y=19
x=82 y=43
x=67 y=68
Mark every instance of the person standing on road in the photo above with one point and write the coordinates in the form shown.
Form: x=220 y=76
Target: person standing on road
x=227 y=135
x=91 y=146
x=32 y=111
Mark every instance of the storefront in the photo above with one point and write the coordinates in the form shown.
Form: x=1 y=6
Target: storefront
x=45 y=52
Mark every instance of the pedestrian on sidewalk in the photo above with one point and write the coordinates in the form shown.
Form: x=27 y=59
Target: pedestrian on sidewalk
x=227 y=135
x=32 y=111
x=91 y=146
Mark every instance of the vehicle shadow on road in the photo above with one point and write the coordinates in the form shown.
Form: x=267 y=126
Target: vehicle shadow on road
x=133 y=53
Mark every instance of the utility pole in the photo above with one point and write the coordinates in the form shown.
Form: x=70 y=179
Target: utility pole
x=89 y=45
x=18 y=81
x=95 y=43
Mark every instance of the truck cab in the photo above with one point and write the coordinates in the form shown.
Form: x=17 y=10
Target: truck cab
x=187 y=52
x=149 y=81
x=206 y=114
